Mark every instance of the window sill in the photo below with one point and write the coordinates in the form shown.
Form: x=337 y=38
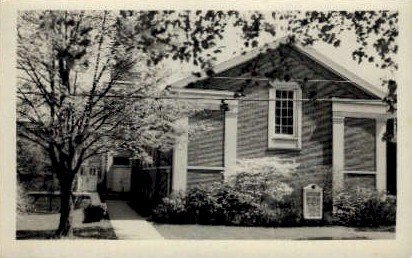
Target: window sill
x=285 y=143
x=284 y=148
x=284 y=136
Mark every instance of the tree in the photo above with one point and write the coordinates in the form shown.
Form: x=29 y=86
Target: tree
x=72 y=95
x=72 y=66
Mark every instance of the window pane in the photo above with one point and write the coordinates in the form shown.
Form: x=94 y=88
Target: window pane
x=284 y=112
x=277 y=120
x=290 y=121
x=290 y=104
x=278 y=110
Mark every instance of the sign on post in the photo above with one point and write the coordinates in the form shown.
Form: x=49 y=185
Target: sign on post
x=312 y=202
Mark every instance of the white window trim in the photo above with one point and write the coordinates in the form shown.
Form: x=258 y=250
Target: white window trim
x=283 y=141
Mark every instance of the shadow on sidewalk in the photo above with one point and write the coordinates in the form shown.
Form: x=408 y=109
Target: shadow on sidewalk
x=122 y=210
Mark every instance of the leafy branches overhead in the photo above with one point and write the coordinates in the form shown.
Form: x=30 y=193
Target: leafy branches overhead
x=185 y=35
x=194 y=36
x=63 y=54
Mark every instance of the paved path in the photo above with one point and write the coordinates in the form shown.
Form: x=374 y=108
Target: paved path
x=128 y=224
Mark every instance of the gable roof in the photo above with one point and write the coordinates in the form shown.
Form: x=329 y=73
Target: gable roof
x=305 y=50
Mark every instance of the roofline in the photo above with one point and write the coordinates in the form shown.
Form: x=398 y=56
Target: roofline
x=339 y=70
x=305 y=50
x=230 y=63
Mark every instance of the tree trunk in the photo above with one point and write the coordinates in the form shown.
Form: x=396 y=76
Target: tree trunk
x=66 y=208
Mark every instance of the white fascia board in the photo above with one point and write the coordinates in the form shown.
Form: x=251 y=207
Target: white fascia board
x=207 y=99
x=209 y=94
x=359 y=108
x=232 y=62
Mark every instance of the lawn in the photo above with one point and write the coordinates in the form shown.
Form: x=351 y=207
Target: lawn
x=42 y=226
x=198 y=232
x=43 y=219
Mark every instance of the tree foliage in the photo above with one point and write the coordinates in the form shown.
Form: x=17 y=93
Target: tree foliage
x=194 y=36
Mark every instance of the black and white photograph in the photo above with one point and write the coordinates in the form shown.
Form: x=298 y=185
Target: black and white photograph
x=206 y=124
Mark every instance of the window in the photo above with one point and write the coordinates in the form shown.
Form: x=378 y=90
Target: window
x=285 y=116
x=284 y=112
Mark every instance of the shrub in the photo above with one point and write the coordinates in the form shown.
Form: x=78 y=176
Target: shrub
x=94 y=213
x=260 y=186
x=364 y=208
x=24 y=201
x=204 y=206
x=253 y=195
x=236 y=206
x=171 y=209
x=221 y=203
x=267 y=165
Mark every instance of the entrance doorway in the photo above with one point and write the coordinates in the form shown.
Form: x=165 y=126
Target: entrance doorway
x=119 y=179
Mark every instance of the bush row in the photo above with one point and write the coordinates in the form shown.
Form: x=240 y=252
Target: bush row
x=225 y=204
x=221 y=204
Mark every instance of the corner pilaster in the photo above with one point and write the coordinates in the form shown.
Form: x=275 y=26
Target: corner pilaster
x=338 y=155
x=230 y=137
x=179 y=174
x=380 y=154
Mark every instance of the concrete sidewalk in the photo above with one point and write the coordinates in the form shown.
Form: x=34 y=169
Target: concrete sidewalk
x=129 y=225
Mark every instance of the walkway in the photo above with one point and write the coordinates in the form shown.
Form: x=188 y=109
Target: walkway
x=128 y=224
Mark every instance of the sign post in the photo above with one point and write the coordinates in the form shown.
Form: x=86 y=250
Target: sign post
x=312 y=202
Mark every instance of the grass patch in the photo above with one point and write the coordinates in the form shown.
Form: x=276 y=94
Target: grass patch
x=78 y=233
x=43 y=226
